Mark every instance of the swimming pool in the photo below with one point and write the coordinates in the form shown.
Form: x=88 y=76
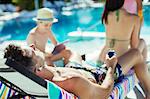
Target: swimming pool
x=17 y=29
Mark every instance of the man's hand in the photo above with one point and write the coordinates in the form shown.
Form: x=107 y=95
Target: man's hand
x=108 y=82
x=111 y=61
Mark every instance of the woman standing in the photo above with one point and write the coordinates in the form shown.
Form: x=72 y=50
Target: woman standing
x=122 y=35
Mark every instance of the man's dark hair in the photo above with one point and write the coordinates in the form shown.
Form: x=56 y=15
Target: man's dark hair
x=16 y=53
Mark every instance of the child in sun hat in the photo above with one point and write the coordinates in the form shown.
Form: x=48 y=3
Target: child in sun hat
x=39 y=36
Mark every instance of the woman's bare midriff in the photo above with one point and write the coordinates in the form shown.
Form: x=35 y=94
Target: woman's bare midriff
x=119 y=47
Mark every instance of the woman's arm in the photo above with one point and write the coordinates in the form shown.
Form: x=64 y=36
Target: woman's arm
x=136 y=33
x=139 y=9
x=139 y=4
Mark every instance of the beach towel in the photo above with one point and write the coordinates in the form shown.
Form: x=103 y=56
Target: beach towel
x=120 y=90
x=55 y=92
x=9 y=90
x=6 y=92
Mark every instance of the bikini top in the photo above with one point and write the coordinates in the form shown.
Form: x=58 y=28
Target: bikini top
x=130 y=6
x=113 y=41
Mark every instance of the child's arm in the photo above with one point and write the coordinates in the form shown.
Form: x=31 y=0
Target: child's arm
x=30 y=40
x=52 y=38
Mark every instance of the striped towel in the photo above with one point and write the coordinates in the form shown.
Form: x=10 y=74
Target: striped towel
x=120 y=89
x=6 y=92
x=55 y=92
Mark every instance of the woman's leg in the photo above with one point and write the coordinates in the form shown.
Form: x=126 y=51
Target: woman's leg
x=143 y=75
x=133 y=58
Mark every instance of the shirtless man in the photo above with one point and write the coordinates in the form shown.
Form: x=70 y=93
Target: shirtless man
x=78 y=82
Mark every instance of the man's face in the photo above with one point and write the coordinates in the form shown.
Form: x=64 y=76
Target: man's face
x=37 y=56
x=27 y=51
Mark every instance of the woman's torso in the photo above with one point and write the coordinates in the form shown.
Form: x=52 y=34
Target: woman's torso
x=118 y=33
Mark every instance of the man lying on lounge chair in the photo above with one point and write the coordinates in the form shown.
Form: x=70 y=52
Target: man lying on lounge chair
x=72 y=80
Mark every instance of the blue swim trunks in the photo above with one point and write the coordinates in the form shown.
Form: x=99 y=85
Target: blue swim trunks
x=100 y=73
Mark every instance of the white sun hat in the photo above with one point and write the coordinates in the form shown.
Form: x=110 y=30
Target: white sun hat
x=45 y=14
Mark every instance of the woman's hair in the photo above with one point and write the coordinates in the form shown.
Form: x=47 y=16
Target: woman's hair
x=111 y=5
x=16 y=53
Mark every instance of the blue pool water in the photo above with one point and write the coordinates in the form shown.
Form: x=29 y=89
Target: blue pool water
x=17 y=29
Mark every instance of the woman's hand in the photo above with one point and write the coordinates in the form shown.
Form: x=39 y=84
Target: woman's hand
x=111 y=59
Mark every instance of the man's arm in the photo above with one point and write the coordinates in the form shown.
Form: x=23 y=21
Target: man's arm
x=108 y=82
